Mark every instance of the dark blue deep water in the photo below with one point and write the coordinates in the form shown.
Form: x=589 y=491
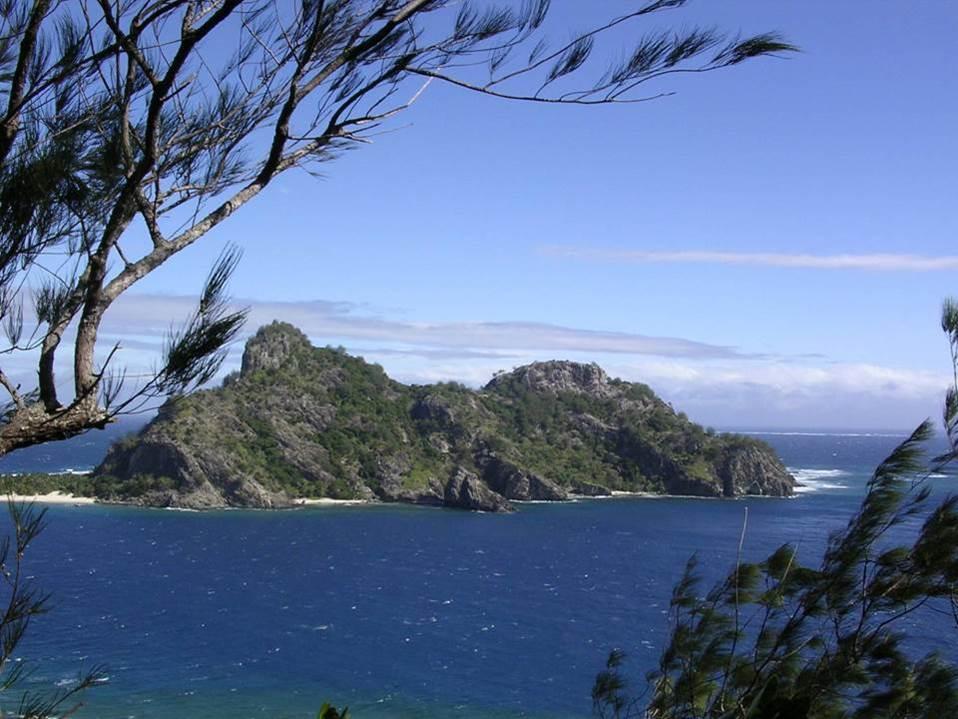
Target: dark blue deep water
x=400 y=611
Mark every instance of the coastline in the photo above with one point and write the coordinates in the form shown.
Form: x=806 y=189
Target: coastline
x=619 y=494
x=55 y=497
x=330 y=502
x=65 y=498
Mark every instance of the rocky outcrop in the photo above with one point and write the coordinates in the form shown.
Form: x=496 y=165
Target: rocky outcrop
x=465 y=491
x=556 y=377
x=588 y=489
x=272 y=347
x=514 y=483
x=189 y=477
x=748 y=470
x=298 y=421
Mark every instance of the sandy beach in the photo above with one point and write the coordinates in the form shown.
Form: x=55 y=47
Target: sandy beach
x=329 y=502
x=51 y=498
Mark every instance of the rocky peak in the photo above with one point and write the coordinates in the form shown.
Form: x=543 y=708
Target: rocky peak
x=272 y=346
x=317 y=422
x=556 y=376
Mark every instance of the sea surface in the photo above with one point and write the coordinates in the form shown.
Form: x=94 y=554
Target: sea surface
x=399 y=611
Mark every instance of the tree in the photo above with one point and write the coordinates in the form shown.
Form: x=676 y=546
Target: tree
x=129 y=129
x=20 y=602
x=779 y=640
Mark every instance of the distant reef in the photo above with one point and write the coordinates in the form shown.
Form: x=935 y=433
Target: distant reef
x=300 y=421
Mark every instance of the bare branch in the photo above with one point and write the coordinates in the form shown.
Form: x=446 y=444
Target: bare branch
x=485 y=90
x=13 y=391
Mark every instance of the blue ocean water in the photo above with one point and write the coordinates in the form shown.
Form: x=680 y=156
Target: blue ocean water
x=402 y=611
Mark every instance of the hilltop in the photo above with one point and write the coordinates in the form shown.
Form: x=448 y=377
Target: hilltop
x=299 y=421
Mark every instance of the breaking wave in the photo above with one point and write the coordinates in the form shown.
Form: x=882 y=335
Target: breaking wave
x=816 y=480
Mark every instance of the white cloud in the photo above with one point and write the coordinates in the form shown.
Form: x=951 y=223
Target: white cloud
x=775 y=393
x=789 y=379
x=714 y=384
x=868 y=262
x=753 y=394
x=327 y=322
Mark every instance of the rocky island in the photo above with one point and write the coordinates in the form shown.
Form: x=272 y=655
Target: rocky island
x=299 y=421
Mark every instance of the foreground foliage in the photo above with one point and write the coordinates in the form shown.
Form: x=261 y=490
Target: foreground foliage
x=20 y=602
x=779 y=640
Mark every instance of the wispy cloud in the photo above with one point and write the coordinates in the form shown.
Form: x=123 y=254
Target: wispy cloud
x=775 y=393
x=323 y=321
x=795 y=382
x=139 y=325
x=866 y=262
x=714 y=384
x=758 y=394
x=433 y=354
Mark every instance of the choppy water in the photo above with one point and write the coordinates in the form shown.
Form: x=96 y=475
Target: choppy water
x=400 y=611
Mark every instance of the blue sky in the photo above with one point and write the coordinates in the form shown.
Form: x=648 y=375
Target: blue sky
x=688 y=242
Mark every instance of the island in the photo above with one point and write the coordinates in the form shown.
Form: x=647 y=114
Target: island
x=297 y=421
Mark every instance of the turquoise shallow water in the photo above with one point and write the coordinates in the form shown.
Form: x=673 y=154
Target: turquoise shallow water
x=400 y=611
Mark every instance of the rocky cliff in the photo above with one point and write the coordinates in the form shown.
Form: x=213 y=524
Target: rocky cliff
x=299 y=421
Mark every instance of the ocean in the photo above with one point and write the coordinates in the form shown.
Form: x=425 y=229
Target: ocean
x=399 y=611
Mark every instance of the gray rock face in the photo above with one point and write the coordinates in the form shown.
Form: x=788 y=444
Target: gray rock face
x=432 y=409
x=514 y=483
x=467 y=492
x=587 y=489
x=305 y=422
x=273 y=346
x=203 y=478
x=558 y=376
x=744 y=470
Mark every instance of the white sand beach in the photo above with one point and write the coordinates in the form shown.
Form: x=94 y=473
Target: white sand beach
x=51 y=498
x=329 y=502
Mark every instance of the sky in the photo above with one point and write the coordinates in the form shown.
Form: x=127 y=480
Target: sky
x=768 y=247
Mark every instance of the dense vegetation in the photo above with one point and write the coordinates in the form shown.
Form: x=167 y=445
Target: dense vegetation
x=299 y=421
x=79 y=485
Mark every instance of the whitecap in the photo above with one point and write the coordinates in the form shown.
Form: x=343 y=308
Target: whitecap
x=815 y=480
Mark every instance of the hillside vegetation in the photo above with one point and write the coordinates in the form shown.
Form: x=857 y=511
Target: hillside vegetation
x=299 y=421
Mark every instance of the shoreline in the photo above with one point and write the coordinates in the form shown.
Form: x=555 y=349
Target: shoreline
x=55 y=497
x=618 y=494
x=65 y=498
x=330 y=502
